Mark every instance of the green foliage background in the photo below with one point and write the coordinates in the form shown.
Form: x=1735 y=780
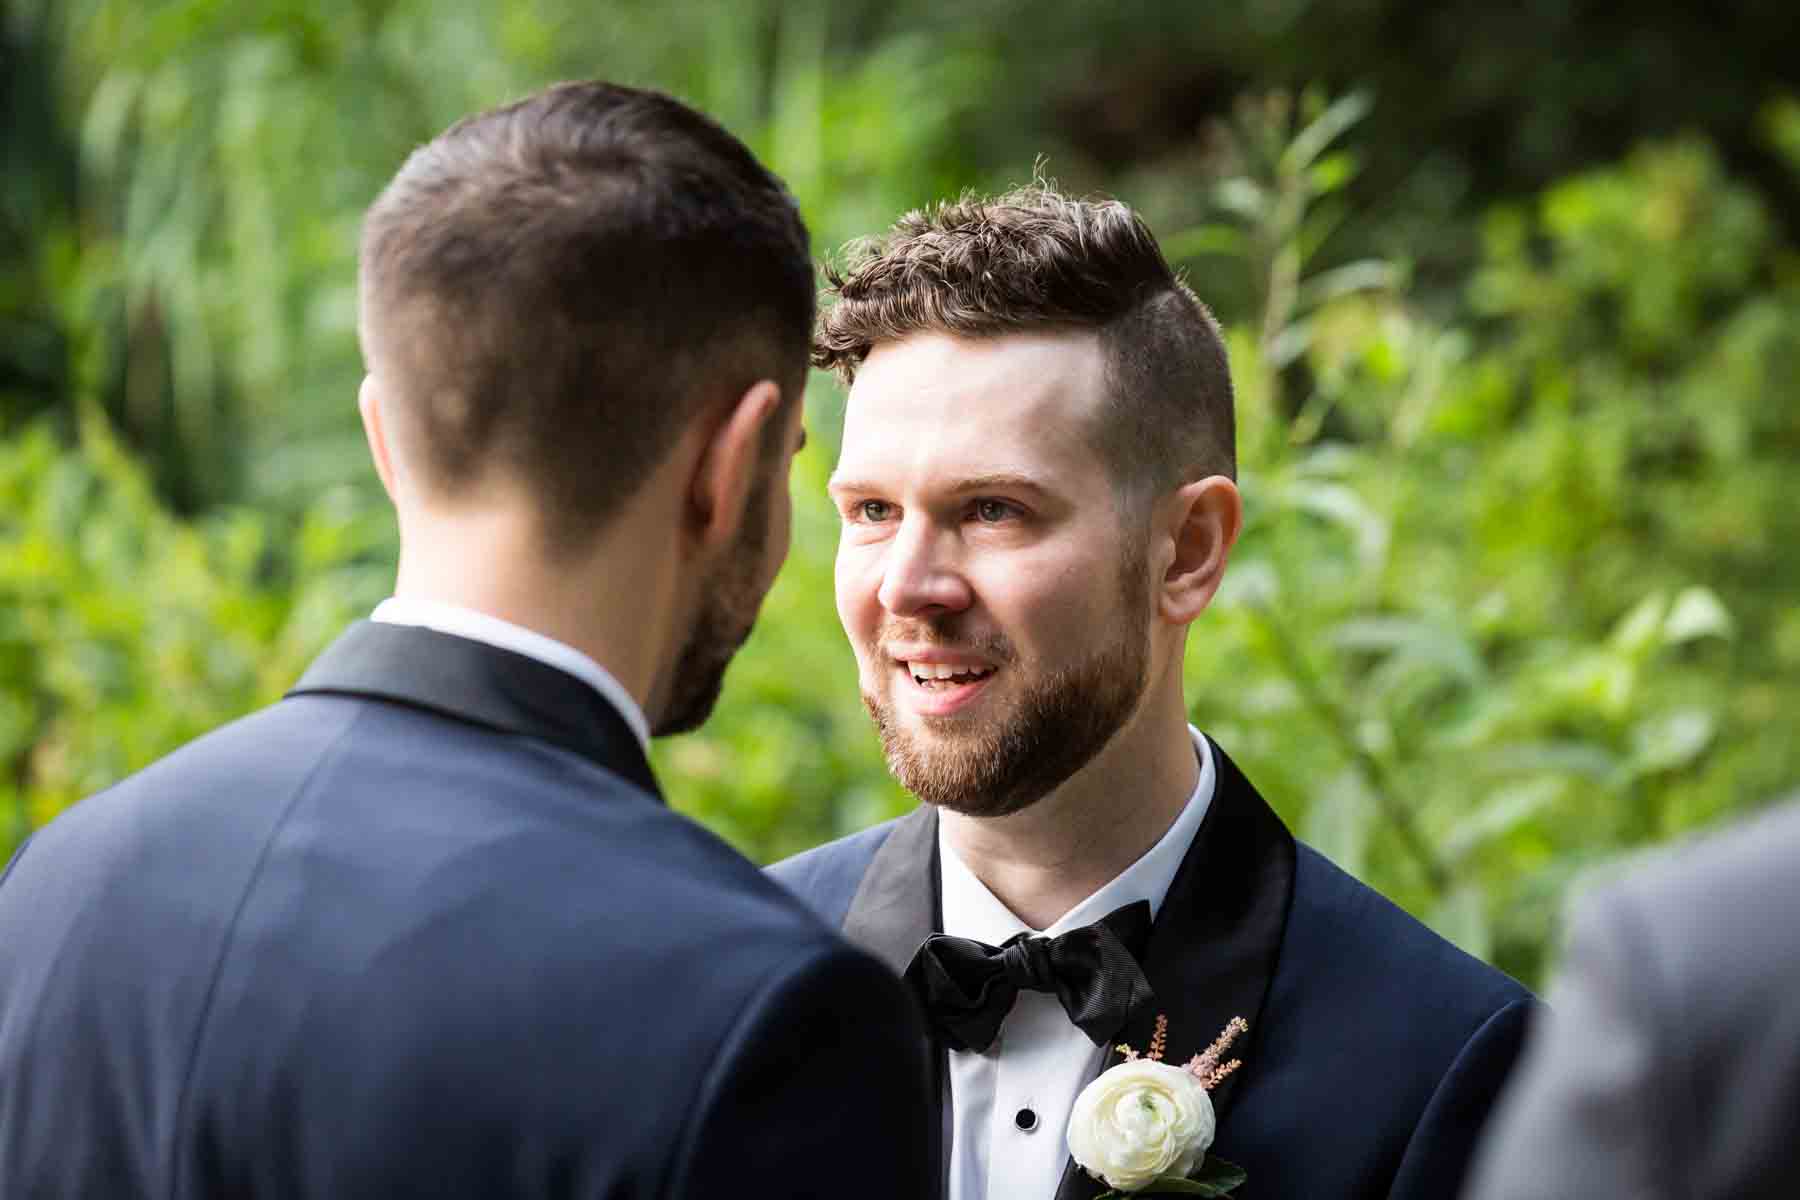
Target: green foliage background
x=1515 y=346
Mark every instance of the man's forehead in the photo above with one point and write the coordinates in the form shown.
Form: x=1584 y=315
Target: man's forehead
x=952 y=360
x=1002 y=402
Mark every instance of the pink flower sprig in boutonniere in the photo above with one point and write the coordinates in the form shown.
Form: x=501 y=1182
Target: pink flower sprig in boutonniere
x=1143 y=1127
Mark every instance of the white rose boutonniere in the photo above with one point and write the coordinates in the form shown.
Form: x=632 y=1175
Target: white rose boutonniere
x=1141 y=1120
x=1144 y=1126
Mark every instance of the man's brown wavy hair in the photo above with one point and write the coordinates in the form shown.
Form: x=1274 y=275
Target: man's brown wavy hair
x=1034 y=260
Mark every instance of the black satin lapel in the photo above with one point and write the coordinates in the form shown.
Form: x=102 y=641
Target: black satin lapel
x=1217 y=937
x=896 y=904
x=1216 y=940
x=1219 y=932
x=482 y=684
x=896 y=907
x=1076 y=1183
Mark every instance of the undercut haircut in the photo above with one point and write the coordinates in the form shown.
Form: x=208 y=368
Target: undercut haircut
x=1034 y=260
x=553 y=291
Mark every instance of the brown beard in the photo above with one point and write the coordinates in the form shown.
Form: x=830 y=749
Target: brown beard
x=1011 y=760
x=729 y=604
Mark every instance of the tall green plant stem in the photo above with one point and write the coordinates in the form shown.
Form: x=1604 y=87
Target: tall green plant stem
x=1375 y=773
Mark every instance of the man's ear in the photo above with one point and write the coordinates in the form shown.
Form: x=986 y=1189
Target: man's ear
x=727 y=468
x=368 y=402
x=1203 y=519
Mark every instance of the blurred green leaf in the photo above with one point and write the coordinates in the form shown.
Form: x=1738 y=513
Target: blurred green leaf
x=1697 y=612
x=1330 y=125
x=1670 y=741
x=1640 y=631
x=1421 y=641
x=1202 y=240
x=1339 y=820
x=1364 y=276
x=1504 y=810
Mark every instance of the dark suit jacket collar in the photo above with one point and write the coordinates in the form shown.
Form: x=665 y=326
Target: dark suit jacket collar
x=1212 y=951
x=481 y=684
x=898 y=905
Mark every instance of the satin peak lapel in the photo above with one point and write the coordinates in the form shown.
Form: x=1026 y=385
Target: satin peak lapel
x=896 y=905
x=1213 y=948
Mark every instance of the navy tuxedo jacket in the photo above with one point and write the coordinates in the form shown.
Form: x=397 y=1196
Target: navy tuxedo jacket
x=1375 y=1047
x=425 y=928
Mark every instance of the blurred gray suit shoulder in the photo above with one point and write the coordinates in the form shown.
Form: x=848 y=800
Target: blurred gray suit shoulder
x=1669 y=1064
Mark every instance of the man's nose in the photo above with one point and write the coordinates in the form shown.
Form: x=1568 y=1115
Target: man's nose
x=922 y=574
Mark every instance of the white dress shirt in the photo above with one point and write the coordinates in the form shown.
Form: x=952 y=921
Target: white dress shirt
x=1041 y=1061
x=480 y=627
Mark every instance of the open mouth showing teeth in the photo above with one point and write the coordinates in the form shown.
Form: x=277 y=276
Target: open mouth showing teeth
x=939 y=675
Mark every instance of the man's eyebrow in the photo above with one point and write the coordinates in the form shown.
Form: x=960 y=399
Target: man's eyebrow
x=999 y=481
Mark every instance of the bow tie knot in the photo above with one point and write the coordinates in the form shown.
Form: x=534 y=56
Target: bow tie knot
x=1028 y=964
x=966 y=987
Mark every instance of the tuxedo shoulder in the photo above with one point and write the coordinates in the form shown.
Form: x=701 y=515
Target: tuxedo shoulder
x=1348 y=939
x=1680 y=890
x=476 y=850
x=1366 y=1001
x=826 y=877
x=1713 y=907
x=199 y=790
x=363 y=926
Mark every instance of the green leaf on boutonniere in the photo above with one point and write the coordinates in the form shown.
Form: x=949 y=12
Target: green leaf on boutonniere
x=1216 y=1177
x=1218 y=1174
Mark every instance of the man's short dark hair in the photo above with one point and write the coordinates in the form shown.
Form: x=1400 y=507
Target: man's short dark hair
x=554 y=290
x=1033 y=260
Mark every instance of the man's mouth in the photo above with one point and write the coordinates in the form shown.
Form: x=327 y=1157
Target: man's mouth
x=939 y=688
x=942 y=676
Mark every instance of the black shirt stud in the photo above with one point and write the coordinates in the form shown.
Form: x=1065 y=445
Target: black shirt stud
x=1025 y=1119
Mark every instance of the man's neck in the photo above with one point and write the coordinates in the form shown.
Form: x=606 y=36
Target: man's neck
x=1050 y=856
x=601 y=613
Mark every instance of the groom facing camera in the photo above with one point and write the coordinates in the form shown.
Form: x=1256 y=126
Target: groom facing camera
x=425 y=927
x=1037 y=501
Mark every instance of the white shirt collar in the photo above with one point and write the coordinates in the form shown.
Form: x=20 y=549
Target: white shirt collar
x=481 y=627
x=971 y=911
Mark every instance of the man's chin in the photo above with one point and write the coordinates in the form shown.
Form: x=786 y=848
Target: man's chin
x=976 y=803
x=944 y=762
x=960 y=722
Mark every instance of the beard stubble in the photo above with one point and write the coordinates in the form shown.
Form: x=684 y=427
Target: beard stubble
x=729 y=603
x=1007 y=761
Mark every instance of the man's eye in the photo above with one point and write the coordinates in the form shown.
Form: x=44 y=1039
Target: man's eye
x=994 y=510
x=873 y=510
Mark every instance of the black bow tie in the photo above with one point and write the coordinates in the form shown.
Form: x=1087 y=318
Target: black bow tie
x=967 y=987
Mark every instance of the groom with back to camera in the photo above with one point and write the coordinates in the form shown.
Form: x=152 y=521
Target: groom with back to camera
x=1037 y=500
x=425 y=927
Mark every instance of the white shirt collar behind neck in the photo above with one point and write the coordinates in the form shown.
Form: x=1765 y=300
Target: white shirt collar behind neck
x=481 y=627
